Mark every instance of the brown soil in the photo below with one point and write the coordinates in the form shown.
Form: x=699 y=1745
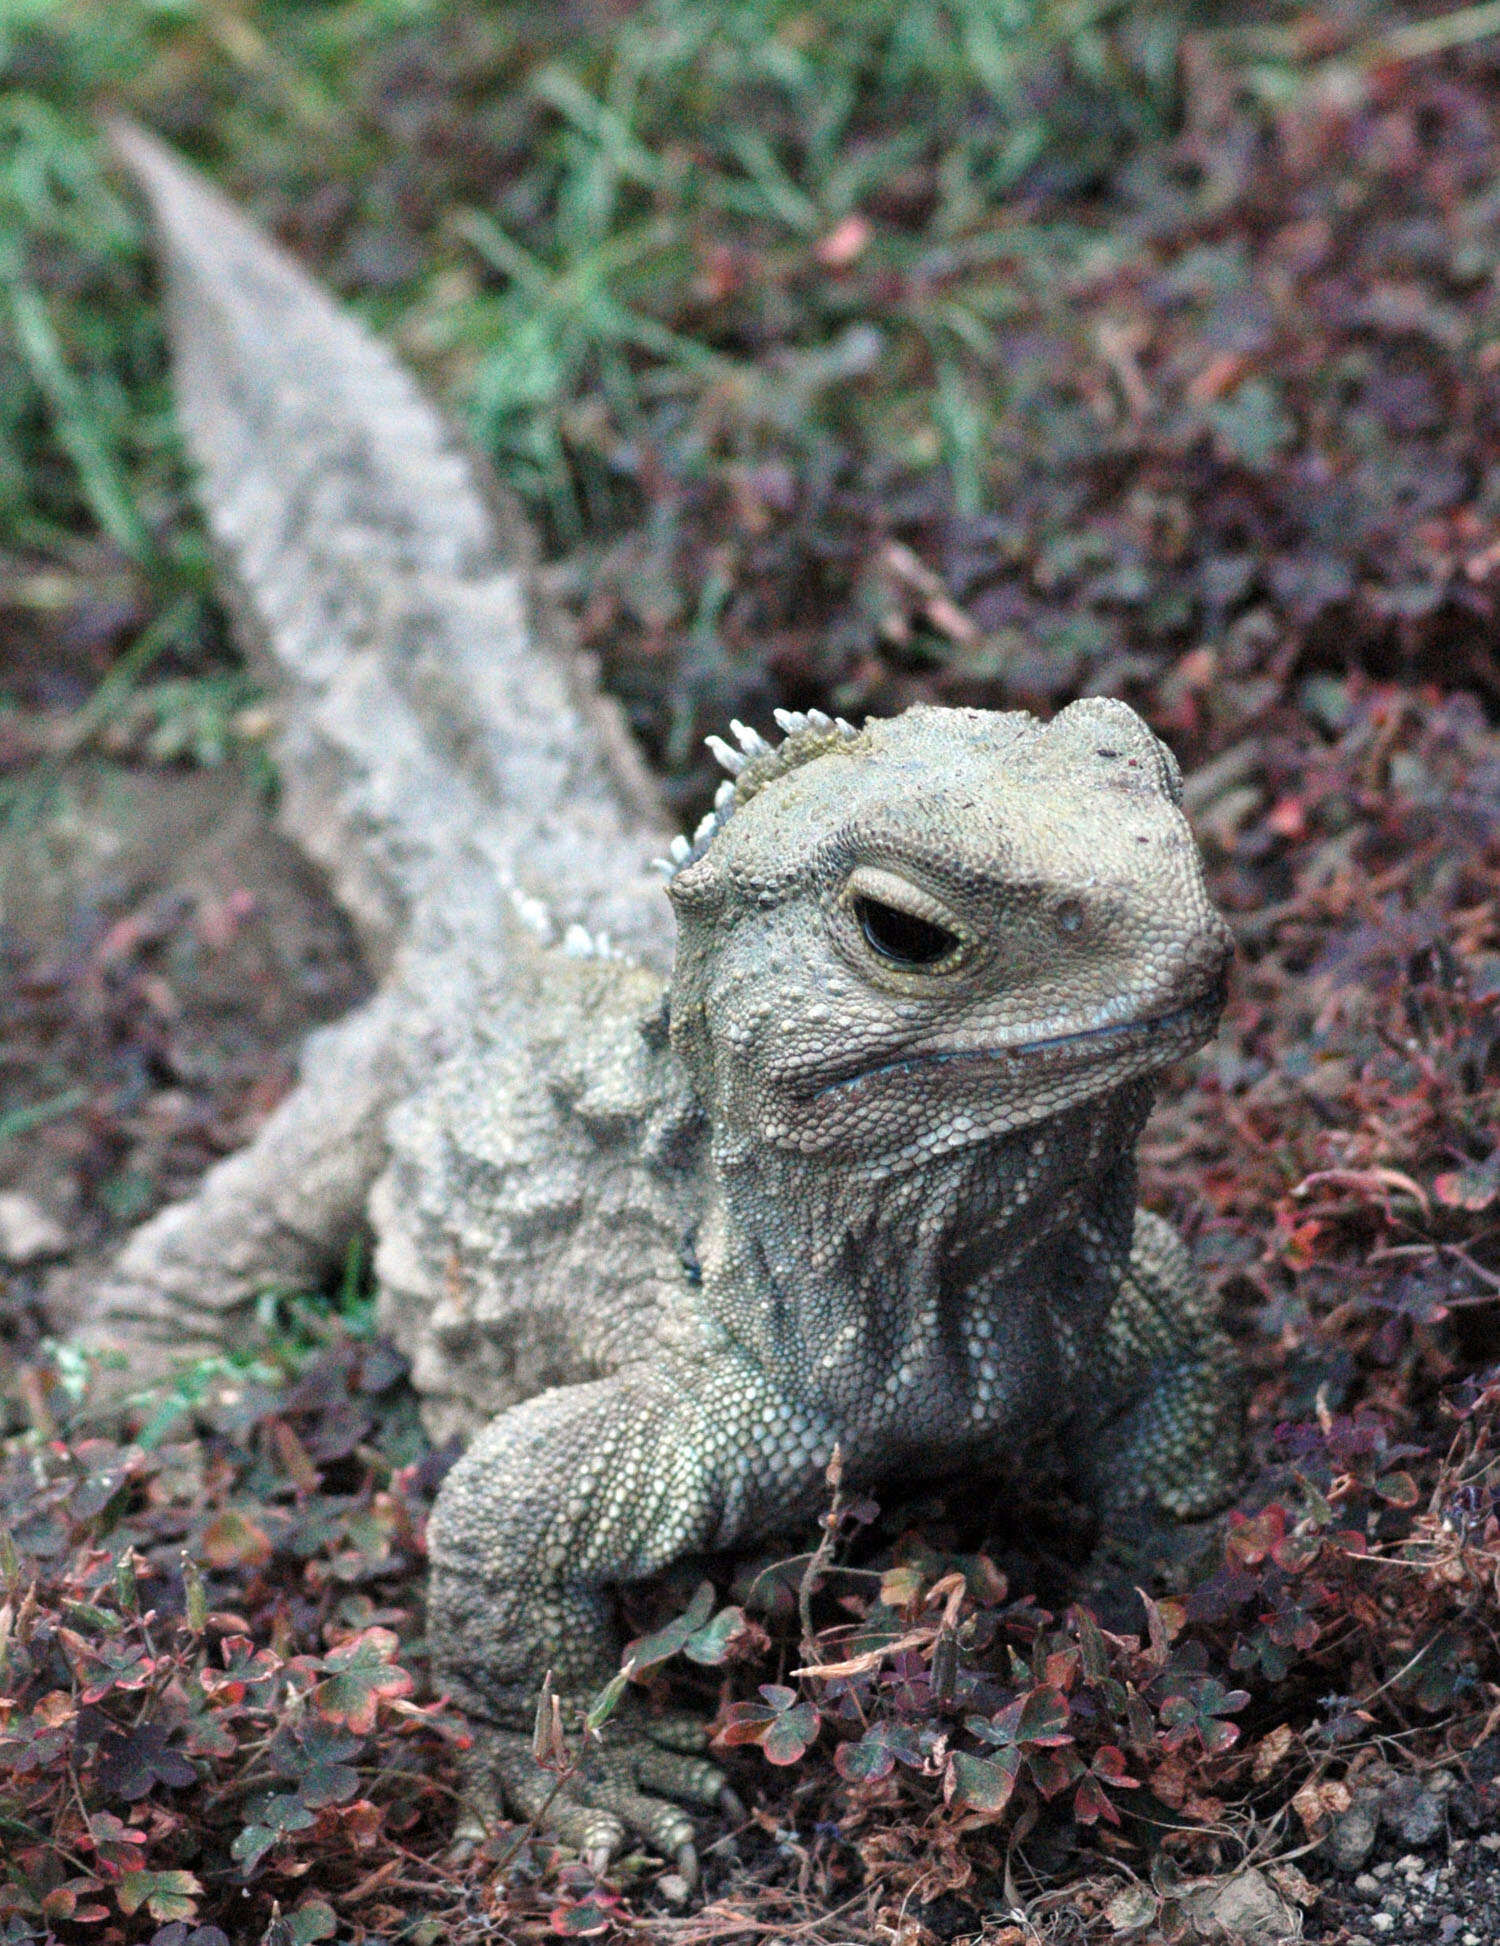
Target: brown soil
x=162 y=954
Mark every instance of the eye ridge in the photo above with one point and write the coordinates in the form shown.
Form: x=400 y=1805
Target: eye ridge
x=902 y=937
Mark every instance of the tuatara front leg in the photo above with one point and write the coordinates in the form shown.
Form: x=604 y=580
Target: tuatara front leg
x=556 y=1504
x=1165 y=1446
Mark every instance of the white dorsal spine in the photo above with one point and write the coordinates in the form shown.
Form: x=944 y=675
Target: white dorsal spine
x=732 y=760
x=752 y=745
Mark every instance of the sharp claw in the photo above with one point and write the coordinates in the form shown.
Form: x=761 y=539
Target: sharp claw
x=732 y=1805
x=471 y=1828
x=687 y=1865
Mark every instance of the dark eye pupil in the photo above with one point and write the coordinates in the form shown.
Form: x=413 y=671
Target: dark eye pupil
x=901 y=936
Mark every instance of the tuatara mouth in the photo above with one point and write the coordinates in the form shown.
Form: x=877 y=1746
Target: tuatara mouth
x=1191 y=1016
x=1184 y=1026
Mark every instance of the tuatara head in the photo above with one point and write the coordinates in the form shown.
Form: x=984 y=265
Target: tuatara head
x=899 y=941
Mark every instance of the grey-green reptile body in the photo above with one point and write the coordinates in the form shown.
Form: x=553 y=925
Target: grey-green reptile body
x=854 y=1168
x=809 y=1193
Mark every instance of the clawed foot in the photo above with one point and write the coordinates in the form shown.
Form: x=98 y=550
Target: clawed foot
x=621 y=1787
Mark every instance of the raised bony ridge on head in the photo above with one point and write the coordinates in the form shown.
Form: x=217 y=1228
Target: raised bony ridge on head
x=964 y=921
x=752 y=765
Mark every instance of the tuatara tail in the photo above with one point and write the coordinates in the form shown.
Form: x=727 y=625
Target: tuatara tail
x=384 y=582
x=442 y=754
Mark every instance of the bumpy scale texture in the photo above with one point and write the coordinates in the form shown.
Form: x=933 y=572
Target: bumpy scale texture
x=861 y=1174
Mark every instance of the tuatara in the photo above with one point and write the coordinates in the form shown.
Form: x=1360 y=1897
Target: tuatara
x=860 y=1173
x=856 y=1167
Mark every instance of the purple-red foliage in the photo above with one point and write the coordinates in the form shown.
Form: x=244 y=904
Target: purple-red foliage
x=205 y=1700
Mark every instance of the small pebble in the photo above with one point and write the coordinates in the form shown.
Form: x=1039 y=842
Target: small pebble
x=1367 y=1885
x=27 y=1233
x=1246 y=1905
x=1351 y=1837
x=1382 y=1922
x=1411 y=1811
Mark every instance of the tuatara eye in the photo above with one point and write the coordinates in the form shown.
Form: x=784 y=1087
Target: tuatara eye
x=901 y=936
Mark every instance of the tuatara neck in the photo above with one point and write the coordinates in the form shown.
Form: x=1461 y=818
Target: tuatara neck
x=903 y=1297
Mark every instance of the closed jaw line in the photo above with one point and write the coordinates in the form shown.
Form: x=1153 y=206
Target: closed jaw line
x=1104 y=1036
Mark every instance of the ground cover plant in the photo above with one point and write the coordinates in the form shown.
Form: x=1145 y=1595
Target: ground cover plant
x=933 y=353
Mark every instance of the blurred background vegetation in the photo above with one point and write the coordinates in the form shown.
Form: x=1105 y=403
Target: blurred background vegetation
x=980 y=348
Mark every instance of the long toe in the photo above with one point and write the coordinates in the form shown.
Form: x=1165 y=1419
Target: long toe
x=675 y=1775
x=665 y=1827
x=676 y=1730
x=589 y=1828
x=572 y=1814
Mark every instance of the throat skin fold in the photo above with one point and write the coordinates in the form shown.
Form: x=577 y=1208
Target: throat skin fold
x=902 y=1302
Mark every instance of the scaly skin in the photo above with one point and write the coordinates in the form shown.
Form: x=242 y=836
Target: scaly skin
x=681 y=1242
x=924 y=975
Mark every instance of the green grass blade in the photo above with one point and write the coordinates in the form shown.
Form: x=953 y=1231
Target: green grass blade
x=78 y=431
